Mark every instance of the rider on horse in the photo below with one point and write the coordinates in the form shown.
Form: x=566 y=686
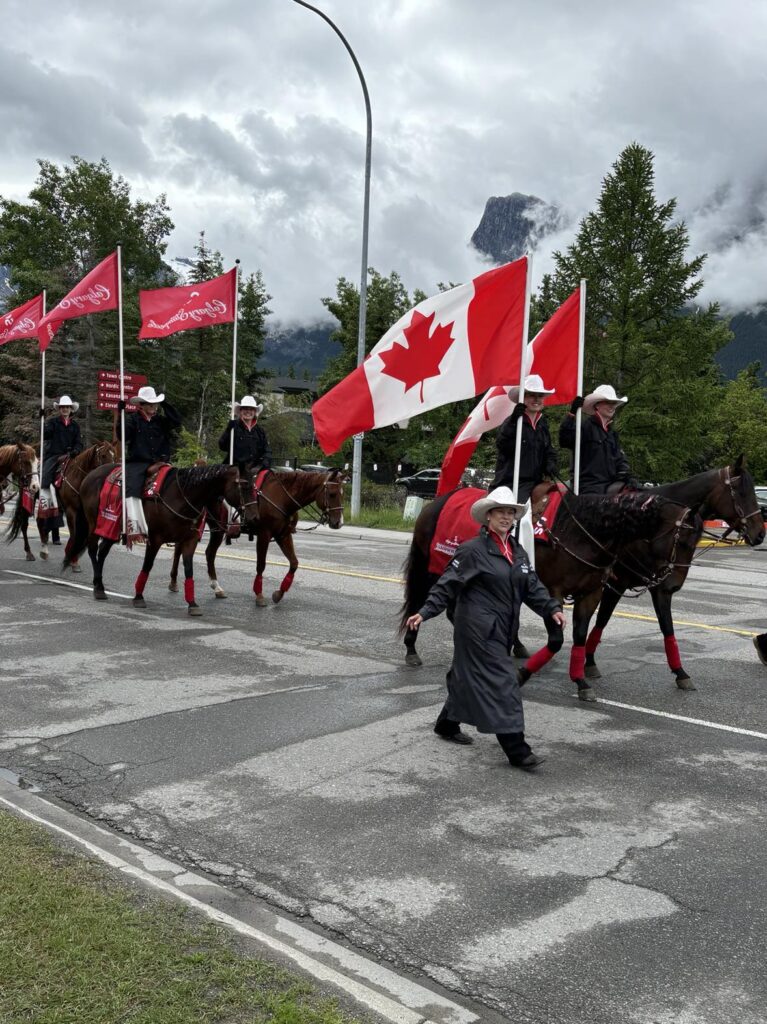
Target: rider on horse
x=604 y=466
x=251 y=445
x=61 y=438
x=538 y=458
x=148 y=438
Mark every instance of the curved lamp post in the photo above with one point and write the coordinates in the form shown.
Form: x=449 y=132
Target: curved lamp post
x=357 y=457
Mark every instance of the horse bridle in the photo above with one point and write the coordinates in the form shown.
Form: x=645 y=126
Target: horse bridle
x=101 y=447
x=742 y=516
x=319 y=520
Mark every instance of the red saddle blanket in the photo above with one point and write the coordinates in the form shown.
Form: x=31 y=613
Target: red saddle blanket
x=545 y=522
x=258 y=483
x=454 y=526
x=109 y=518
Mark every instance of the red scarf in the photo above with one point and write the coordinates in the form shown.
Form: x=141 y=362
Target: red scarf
x=504 y=546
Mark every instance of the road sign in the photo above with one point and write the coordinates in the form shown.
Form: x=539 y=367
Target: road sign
x=108 y=395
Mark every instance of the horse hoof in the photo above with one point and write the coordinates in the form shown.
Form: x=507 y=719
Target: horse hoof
x=43 y=555
x=261 y=601
x=592 y=672
x=221 y=593
x=194 y=609
x=685 y=683
x=413 y=660
x=173 y=587
x=139 y=602
x=99 y=595
x=30 y=556
x=587 y=694
x=277 y=596
x=75 y=567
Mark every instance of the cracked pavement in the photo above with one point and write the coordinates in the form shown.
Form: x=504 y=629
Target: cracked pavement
x=288 y=751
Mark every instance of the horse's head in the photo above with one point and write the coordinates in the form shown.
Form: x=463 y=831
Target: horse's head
x=105 y=452
x=330 y=499
x=25 y=468
x=739 y=506
x=239 y=492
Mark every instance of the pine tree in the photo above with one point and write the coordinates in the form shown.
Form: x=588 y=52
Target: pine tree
x=642 y=335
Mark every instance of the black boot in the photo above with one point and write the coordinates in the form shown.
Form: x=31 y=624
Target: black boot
x=519 y=753
x=760 y=643
x=447 y=729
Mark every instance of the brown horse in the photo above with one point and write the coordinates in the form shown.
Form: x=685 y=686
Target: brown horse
x=75 y=471
x=661 y=564
x=276 y=506
x=581 y=553
x=18 y=463
x=175 y=517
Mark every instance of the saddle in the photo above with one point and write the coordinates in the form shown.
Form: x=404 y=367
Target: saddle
x=154 y=480
x=61 y=468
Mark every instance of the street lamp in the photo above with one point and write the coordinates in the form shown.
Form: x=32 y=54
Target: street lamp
x=357 y=456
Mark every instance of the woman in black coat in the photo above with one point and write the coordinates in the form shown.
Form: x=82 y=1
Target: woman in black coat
x=251 y=445
x=61 y=436
x=148 y=438
x=604 y=465
x=483 y=587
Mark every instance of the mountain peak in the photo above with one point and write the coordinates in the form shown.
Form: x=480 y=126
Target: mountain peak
x=513 y=224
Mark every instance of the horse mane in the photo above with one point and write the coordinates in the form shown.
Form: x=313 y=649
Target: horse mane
x=194 y=475
x=8 y=453
x=612 y=517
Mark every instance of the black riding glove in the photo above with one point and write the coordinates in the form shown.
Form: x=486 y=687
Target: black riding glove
x=121 y=405
x=42 y=413
x=576 y=404
x=518 y=412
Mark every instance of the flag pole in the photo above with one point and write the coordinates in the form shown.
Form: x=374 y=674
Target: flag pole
x=522 y=369
x=234 y=354
x=122 y=389
x=42 y=398
x=578 y=415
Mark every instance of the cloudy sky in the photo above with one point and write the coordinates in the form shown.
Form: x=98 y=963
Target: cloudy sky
x=249 y=115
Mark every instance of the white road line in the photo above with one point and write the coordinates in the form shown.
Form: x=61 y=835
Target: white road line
x=683 y=718
x=64 y=583
x=390 y=1009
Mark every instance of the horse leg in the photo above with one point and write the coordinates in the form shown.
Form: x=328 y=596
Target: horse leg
x=285 y=542
x=585 y=607
x=214 y=543
x=610 y=598
x=661 y=600
x=69 y=562
x=412 y=657
x=173 y=585
x=187 y=554
x=143 y=576
x=98 y=549
x=43 y=531
x=24 y=533
x=262 y=546
x=556 y=638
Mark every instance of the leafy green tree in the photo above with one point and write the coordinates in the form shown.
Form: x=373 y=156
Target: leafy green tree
x=74 y=217
x=739 y=423
x=642 y=333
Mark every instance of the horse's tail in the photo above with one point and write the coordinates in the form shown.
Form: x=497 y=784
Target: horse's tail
x=79 y=541
x=418 y=580
x=19 y=521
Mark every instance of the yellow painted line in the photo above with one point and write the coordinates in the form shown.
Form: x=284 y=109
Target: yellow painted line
x=683 y=622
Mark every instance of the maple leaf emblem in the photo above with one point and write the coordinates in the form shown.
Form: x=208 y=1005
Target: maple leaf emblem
x=420 y=360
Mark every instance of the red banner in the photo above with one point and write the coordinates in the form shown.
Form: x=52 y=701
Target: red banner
x=22 y=322
x=166 y=311
x=96 y=293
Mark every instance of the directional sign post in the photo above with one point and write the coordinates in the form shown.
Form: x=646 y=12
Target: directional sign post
x=109 y=388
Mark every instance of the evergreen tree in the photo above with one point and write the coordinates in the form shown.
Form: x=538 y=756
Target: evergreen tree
x=642 y=335
x=739 y=423
x=75 y=216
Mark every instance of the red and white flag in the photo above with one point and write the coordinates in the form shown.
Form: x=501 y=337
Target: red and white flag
x=21 y=322
x=165 y=311
x=96 y=293
x=553 y=355
x=450 y=347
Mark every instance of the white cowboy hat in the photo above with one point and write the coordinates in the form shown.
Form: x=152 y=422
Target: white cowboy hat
x=149 y=396
x=66 y=400
x=533 y=385
x=248 y=402
x=501 y=497
x=604 y=393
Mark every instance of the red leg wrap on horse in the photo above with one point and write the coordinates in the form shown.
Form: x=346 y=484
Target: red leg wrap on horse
x=287 y=583
x=258 y=585
x=593 y=640
x=141 y=582
x=536 y=662
x=672 y=653
x=189 y=591
x=578 y=663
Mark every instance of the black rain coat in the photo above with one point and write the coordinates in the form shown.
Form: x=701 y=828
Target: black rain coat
x=251 y=447
x=603 y=461
x=538 y=458
x=484 y=593
x=59 y=438
x=147 y=441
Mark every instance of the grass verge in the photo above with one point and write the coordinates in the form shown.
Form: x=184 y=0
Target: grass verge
x=78 y=946
x=383 y=518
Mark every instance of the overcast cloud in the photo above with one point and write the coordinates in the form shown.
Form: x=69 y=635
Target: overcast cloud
x=248 y=114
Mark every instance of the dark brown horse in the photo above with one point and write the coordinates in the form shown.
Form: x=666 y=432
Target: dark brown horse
x=661 y=564
x=18 y=463
x=175 y=517
x=581 y=553
x=274 y=510
x=75 y=471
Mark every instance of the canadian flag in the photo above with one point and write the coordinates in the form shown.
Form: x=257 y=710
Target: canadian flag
x=21 y=322
x=96 y=293
x=450 y=347
x=165 y=311
x=553 y=355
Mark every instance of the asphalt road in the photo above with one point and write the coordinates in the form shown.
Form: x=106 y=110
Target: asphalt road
x=289 y=750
